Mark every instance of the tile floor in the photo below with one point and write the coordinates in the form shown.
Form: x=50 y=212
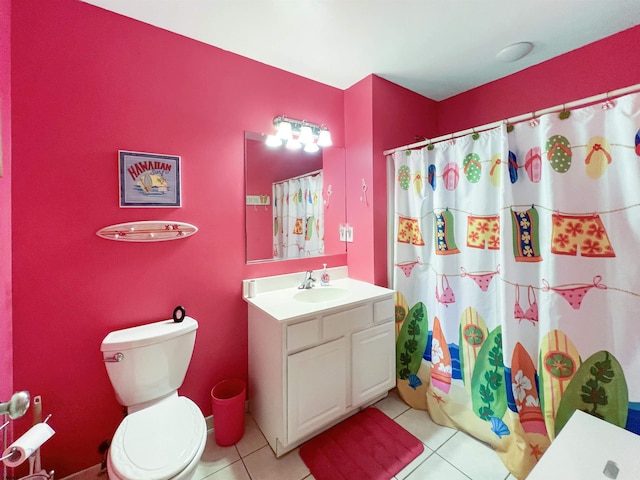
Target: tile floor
x=448 y=454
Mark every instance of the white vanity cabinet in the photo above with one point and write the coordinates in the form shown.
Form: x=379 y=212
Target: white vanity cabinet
x=309 y=372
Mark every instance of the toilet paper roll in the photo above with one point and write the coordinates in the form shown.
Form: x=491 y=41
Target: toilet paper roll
x=27 y=444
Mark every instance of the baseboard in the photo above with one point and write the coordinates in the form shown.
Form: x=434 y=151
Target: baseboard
x=209 y=421
x=90 y=473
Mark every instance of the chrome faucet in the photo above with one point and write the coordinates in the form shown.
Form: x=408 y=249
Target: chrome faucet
x=308 y=281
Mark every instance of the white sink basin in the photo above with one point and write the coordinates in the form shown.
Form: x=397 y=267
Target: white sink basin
x=320 y=294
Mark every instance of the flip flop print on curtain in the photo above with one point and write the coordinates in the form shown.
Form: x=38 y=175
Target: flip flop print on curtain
x=574 y=294
x=482 y=279
x=431 y=176
x=533 y=164
x=513 y=167
x=559 y=153
x=495 y=171
x=637 y=143
x=451 y=175
x=598 y=157
x=532 y=312
x=447 y=296
x=472 y=168
x=404 y=177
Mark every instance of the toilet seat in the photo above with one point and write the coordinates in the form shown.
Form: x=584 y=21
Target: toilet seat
x=158 y=442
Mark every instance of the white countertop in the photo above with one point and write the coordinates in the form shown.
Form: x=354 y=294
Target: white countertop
x=282 y=306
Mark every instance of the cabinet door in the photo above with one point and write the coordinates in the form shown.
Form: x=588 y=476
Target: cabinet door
x=316 y=387
x=373 y=362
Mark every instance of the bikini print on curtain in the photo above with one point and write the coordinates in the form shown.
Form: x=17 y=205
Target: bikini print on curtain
x=515 y=310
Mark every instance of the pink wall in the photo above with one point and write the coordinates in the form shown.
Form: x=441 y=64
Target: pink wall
x=378 y=115
x=6 y=335
x=269 y=165
x=87 y=82
x=359 y=136
x=399 y=116
x=599 y=67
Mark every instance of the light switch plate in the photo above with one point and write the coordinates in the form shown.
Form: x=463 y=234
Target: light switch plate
x=349 y=233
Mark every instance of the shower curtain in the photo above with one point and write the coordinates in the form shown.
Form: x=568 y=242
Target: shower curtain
x=516 y=272
x=298 y=217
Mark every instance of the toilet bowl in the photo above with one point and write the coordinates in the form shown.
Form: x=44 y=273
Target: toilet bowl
x=164 y=441
x=163 y=435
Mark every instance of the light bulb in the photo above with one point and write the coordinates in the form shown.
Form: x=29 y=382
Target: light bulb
x=293 y=144
x=306 y=135
x=324 y=139
x=311 y=147
x=273 y=141
x=284 y=131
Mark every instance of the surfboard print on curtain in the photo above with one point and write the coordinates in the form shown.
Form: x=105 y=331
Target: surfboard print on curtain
x=473 y=333
x=564 y=287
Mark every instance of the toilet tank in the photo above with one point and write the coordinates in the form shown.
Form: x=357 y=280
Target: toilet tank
x=148 y=362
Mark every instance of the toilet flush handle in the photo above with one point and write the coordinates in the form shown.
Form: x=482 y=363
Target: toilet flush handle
x=118 y=357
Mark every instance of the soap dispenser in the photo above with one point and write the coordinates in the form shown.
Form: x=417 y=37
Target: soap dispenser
x=324 y=278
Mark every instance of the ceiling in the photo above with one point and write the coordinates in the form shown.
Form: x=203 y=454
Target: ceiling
x=437 y=48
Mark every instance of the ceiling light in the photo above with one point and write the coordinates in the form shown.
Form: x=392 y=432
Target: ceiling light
x=514 y=52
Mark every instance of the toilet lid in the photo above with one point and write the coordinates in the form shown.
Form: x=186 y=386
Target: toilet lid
x=157 y=442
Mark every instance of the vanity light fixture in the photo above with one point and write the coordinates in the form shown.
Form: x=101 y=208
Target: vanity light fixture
x=298 y=133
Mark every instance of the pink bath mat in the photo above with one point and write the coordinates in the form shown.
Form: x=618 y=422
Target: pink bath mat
x=366 y=446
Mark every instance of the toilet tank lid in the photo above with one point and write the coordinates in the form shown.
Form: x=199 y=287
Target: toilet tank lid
x=147 y=334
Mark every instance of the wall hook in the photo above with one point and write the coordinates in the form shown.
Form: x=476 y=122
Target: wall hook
x=326 y=202
x=363 y=198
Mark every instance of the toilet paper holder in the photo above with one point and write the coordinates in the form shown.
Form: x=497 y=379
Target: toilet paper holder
x=15 y=456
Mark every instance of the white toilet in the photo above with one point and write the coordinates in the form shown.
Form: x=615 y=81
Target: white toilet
x=163 y=435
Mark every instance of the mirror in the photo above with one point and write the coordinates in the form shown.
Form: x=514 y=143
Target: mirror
x=270 y=235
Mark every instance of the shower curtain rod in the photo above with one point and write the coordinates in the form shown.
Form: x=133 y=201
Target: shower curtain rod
x=309 y=174
x=521 y=118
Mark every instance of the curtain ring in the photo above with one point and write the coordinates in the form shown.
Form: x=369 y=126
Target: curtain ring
x=534 y=122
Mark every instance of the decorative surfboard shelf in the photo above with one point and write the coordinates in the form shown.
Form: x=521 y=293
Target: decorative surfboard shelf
x=147 y=231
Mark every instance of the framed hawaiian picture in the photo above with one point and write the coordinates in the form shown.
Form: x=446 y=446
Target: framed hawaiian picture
x=149 y=179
